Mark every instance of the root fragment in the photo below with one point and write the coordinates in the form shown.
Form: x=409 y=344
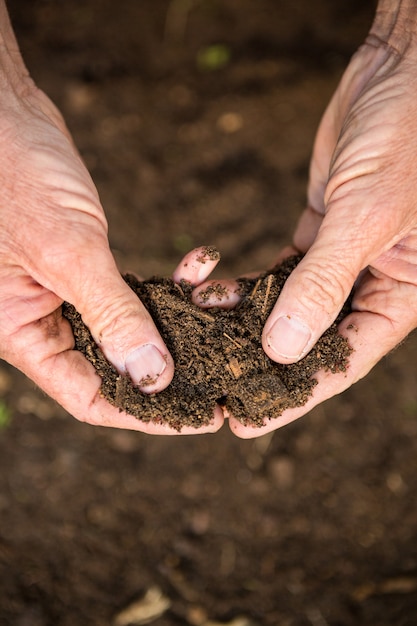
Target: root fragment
x=268 y=291
x=255 y=289
x=237 y=344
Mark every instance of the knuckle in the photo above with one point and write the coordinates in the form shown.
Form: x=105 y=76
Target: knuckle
x=110 y=316
x=116 y=322
x=325 y=288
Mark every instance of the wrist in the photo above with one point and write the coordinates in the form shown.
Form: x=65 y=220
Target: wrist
x=395 y=24
x=13 y=73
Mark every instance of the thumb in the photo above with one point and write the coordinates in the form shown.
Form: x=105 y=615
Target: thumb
x=316 y=290
x=116 y=318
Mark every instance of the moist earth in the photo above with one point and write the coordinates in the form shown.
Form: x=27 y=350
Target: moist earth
x=217 y=354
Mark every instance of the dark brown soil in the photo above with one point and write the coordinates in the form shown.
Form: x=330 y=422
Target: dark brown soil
x=218 y=356
x=313 y=525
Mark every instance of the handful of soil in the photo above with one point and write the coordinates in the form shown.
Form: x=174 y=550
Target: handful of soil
x=218 y=356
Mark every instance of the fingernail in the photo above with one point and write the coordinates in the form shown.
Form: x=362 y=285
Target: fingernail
x=289 y=337
x=145 y=365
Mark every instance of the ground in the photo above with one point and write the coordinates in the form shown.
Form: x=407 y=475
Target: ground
x=196 y=120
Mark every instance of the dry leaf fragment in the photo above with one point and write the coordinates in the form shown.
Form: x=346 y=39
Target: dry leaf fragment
x=235 y=368
x=150 y=607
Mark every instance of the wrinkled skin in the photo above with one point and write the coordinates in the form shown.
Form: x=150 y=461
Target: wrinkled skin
x=359 y=228
x=54 y=247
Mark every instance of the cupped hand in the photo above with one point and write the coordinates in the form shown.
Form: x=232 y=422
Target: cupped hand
x=359 y=230
x=54 y=247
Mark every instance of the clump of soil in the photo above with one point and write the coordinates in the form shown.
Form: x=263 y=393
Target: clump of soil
x=218 y=355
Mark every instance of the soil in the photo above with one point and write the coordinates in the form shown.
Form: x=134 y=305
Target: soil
x=196 y=121
x=217 y=353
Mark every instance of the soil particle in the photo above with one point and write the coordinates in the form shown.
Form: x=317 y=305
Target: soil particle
x=208 y=253
x=218 y=356
x=215 y=290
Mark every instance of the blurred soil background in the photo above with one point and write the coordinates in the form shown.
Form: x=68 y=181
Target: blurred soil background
x=196 y=119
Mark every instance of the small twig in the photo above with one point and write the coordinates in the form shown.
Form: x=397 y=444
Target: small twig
x=268 y=291
x=232 y=340
x=255 y=289
x=177 y=286
x=205 y=316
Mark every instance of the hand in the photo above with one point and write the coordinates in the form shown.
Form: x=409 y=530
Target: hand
x=360 y=227
x=54 y=247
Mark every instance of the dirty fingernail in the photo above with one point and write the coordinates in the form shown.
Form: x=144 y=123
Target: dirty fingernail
x=289 y=337
x=145 y=364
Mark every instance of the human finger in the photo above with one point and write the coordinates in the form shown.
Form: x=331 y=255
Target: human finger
x=224 y=294
x=373 y=329
x=307 y=229
x=65 y=374
x=350 y=237
x=197 y=265
x=116 y=318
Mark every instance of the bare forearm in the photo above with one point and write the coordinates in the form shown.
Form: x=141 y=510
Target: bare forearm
x=396 y=23
x=13 y=72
